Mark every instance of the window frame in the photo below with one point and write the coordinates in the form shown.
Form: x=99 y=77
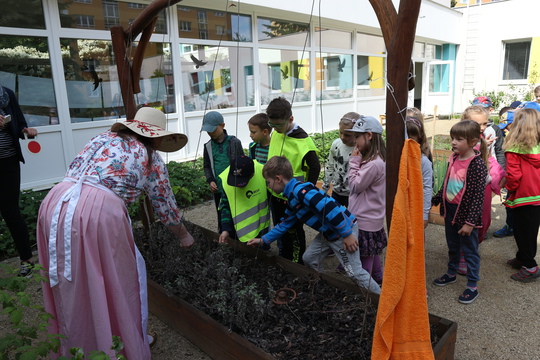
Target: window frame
x=504 y=55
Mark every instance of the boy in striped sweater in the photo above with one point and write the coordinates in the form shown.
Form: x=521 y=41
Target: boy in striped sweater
x=309 y=205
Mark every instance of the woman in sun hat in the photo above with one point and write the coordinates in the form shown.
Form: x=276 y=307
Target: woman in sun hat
x=97 y=277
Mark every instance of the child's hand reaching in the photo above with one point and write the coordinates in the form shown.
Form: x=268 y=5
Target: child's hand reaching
x=255 y=242
x=223 y=237
x=350 y=243
x=465 y=230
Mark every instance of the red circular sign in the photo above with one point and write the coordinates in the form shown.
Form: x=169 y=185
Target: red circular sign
x=34 y=147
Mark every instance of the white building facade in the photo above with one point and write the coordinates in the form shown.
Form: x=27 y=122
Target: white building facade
x=500 y=51
x=232 y=57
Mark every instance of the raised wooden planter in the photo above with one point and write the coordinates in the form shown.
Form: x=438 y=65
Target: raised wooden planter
x=219 y=343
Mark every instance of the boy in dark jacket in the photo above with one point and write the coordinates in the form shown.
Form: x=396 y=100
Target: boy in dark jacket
x=218 y=154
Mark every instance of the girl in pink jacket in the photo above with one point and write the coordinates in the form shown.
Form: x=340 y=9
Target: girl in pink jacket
x=367 y=198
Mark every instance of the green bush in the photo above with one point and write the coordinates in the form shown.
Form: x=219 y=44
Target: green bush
x=323 y=142
x=188 y=182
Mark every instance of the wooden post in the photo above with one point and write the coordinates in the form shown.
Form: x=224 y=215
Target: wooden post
x=129 y=73
x=398 y=31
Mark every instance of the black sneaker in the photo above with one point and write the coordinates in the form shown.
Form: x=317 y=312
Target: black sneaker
x=27 y=269
x=468 y=296
x=445 y=280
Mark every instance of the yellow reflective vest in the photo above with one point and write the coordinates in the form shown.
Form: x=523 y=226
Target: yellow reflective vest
x=249 y=205
x=294 y=150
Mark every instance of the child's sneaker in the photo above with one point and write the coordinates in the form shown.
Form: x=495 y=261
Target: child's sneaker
x=468 y=296
x=505 y=231
x=26 y=270
x=526 y=275
x=445 y=280
x=515 y=263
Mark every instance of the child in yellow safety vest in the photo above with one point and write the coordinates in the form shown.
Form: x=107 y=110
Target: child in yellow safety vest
x=291 y=141
x=244 y=202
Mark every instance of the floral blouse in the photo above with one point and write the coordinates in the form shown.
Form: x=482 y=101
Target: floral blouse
x=122 y=166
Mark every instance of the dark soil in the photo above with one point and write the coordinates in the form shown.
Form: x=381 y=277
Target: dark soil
x=241 y=292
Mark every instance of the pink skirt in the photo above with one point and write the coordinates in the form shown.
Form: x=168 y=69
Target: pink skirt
x=103 y=297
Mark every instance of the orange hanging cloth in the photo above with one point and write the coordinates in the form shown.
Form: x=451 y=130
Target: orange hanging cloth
x=402 y=325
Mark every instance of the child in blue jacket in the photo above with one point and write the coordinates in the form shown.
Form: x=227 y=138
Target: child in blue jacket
x=309 y=205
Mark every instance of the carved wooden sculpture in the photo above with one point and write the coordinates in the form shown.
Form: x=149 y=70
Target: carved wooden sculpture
x=398 y=31
x=129 y=72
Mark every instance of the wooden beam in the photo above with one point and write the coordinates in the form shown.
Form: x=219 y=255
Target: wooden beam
x=398 y=30
x=123 y=66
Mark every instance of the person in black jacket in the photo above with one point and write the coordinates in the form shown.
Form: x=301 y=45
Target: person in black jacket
x=12 y=127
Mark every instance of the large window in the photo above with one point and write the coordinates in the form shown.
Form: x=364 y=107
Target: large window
x=334 y=76
x=370 y=65
x=439 y=75
x=93 y=86
x=85 y=21
x=22 y=14
x=333 y=38
x=370 y=75
x=25 y=67
x=111 y=16
x=516 y=60
x=282 y=73
x=282 y=32
x=185 y=26
x=104 y=14
x=433 y=51
x=216 y=77
x=213 y=25
x=368 y=43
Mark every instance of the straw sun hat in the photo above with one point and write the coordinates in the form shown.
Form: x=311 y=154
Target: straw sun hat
x=150 y=123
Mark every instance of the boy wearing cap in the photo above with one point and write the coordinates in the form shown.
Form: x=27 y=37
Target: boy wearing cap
x=291 y=141
x=218 y=154
x=307 y=204
x=244 y=202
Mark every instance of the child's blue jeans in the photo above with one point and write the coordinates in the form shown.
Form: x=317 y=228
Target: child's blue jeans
x=456 y=243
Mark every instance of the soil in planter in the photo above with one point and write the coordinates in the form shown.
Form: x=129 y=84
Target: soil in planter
x=240 y=292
